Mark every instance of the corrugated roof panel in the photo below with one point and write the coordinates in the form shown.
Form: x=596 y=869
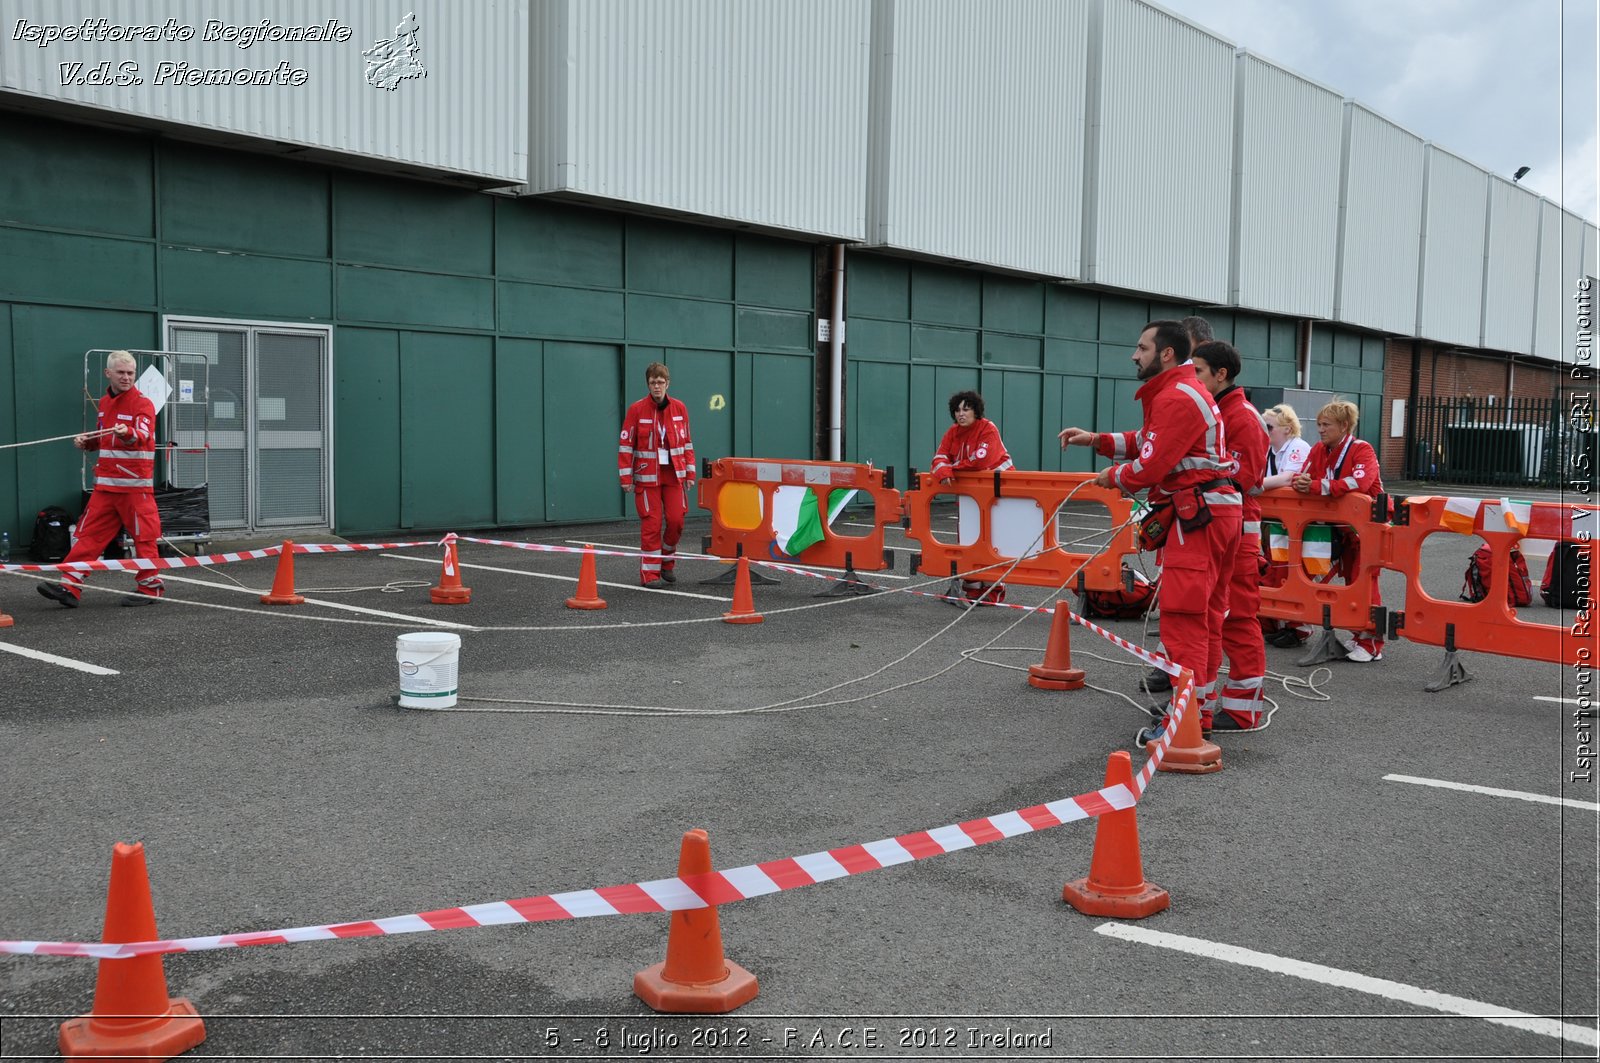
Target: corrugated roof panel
x=444 y=87
x=1561 y=263
x=1287 y=191
x=1455 y=228
x=1159 y=186
x=981 y=104
x=1381 y=224
x=748 y=112
x=1511 y=268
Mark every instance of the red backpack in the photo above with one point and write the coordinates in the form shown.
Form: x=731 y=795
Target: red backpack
x=1475 y=585
x=1122 y=604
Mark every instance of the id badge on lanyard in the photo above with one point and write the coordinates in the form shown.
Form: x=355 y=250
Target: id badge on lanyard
x=662 y=456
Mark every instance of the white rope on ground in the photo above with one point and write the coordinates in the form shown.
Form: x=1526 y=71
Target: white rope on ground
x=806 y=701
x=57 y=439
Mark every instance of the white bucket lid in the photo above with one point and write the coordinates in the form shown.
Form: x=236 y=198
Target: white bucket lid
x=427 y=642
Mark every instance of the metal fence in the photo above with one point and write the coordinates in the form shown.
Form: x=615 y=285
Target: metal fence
x=1520 y=443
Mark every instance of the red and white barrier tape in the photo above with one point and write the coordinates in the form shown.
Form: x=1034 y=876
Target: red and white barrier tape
x=140 y=564
x=659 y=895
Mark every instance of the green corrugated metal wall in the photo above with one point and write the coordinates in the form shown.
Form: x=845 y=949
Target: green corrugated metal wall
x=483 y=347
x=1044 y=356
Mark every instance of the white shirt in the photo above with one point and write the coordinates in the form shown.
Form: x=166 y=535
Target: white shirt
x=1289 y=458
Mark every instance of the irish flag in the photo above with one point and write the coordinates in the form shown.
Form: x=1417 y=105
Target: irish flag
x=797 y=517
x=1277 y=540
x=1516 y=514
x=1316 y=549
x=1460 y=515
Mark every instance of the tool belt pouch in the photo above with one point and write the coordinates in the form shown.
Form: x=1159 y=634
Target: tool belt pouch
x=1193 y=511
x=1154 y=527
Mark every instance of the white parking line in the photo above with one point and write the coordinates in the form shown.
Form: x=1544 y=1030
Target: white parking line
x=629 y=546
x=1562 y=701
x=1491 y=791
x=1361 y=983
x=566 y=579
x=327 y=604
x=65 y=662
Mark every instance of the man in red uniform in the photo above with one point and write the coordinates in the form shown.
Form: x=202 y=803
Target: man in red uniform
x=124 y=485
x=1338 y=465
x=656 y=462
x=1239 y=701
x=1180 y=454
x=972 y=444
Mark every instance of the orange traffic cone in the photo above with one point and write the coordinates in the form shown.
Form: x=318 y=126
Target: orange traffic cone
x=696 y=977
x=450 y=591
x=744 y=607
x=6 y=621
x=1116 y=885
x=588 y=596
x=132 y=1015
x=1190 y=753
x=282 y=592
x=1056 y=671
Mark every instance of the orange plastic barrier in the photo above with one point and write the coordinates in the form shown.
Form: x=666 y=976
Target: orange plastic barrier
x=1302 y=598
x=1490 y=625
x=1051 y=565
x=743 y=496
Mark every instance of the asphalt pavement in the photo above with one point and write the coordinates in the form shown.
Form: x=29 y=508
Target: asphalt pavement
x=1320 y=906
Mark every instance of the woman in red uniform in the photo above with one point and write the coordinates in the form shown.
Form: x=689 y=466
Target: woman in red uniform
x=972 y=444
x=1338 y=465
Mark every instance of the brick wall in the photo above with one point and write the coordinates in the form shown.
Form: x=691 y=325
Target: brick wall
x=1452 y=374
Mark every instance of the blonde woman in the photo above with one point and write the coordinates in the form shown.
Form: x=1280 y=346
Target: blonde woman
x=1286 y=451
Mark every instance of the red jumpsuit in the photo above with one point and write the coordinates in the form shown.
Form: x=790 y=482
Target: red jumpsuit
x=124 y=489
x=975 y=448
x=1183 y=445
x=1240 y=697
x=660 y=488
x=1352 y=465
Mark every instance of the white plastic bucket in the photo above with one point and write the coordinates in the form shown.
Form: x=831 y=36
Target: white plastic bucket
x=427 y=669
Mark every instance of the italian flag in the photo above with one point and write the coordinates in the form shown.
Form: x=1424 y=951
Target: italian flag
x=1316 y=549
x=1460 y=515
x=797 y=517
x=1277 y=540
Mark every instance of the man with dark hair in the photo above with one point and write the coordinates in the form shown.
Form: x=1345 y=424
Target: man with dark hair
x=1180 y=454
x=1199 y=330
x=1239 y=701
x=655 y=460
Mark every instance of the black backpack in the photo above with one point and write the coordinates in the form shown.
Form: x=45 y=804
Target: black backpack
x=1562 y=587
x=52 y=536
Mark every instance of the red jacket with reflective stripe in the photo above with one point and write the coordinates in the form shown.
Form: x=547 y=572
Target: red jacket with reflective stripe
x=1247 y=443
x=977 y=446
x=126 y=464
x=1358 y=472
x=1183 y=442
x=642 y=438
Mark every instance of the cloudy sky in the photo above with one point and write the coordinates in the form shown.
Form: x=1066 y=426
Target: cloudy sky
x=1482 y=78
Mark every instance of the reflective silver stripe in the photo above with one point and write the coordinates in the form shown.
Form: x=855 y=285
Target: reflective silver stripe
x=1136 y=465
x=1208 y=464
x=1203 y=404
x=625 y=449
x=1218 y=498
x=1004 y=465
x=1351 y=482
x=649 y=566
x=1119 y=444
x=129 y=455
x=118 y=481
x=1324 y=485
x=645 y=478
x=1250 y=527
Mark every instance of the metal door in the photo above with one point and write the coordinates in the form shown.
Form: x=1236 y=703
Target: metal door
x=267 y=421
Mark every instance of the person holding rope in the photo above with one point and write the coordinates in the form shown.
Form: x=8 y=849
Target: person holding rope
x=124 y=493
x=1180 y=455
x=972 y=444
x=1338 y=465
x=656 y=462
x=1238 y=704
